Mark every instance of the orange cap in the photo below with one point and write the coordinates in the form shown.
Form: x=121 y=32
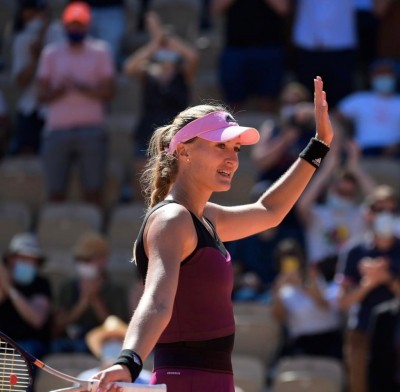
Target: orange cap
x=77 y=11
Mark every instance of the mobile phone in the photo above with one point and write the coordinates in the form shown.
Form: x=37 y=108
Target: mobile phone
x=289 y=264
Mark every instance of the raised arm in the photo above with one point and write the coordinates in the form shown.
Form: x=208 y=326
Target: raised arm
x=270 y=149
x=135 y=64
x=270 y=209
x=365 y=181
x=187 y=52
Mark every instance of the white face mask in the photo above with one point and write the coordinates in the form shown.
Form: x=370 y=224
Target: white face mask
x=384 y=225
x=86 y=270
x=110 y=350
x=385 y=84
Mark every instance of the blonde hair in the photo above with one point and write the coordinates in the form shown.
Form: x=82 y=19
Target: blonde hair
x=162 y=167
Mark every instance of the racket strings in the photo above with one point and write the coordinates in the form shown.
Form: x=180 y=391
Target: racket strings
x=14 y=371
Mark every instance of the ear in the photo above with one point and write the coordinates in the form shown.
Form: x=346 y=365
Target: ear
x=182 y=151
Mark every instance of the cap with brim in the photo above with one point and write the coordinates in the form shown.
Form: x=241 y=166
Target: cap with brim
x=112 y=328
x=77 y=12
x=26 y=244
x=91 y=245
x=215 y=127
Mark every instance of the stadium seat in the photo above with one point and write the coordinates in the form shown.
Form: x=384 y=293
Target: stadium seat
x=21 y=180
x=249 y=373
x=14 y=218
x=61 y=224
x=124 y=224
x=308 y=374
x=257 y=334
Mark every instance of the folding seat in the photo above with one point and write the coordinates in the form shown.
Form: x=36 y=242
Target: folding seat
x=14 y=218
x=61 y=224
x=309 y=373
x=21 y=180
x=257 y=334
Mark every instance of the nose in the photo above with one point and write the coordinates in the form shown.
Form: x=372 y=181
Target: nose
x=232 y=159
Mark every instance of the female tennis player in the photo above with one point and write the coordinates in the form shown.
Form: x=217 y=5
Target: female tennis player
x=185 y=313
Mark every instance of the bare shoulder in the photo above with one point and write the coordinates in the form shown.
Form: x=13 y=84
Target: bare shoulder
x=170 y=231
x=170 y=219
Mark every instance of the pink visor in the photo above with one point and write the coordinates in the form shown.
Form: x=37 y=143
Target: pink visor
x=215 y=127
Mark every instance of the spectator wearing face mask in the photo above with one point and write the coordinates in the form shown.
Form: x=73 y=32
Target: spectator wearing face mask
x=75 y=80
x=375 y=114
x=85 y=301
x=165 y=67
x=331 y=207
x=25 y=295
x=105 y=343
x=368 y=274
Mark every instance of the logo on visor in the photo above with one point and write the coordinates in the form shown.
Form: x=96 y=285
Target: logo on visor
x=230 y=119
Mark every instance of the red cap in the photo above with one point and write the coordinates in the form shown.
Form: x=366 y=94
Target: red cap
x=77 y=11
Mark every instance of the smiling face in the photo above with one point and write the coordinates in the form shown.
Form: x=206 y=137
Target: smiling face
x=212 y=164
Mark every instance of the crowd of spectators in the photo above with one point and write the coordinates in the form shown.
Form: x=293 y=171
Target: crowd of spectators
x=331 y=270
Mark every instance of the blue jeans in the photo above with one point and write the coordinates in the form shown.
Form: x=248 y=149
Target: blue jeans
x=250 y=71
x=60 y=150
x=336 y=67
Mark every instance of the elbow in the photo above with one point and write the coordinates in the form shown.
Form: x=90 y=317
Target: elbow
x=276 y=218
x=163 y=310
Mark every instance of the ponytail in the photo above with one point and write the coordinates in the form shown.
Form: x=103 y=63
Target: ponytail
x=162 y=167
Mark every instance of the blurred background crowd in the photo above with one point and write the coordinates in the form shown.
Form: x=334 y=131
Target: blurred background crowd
x=82 y=87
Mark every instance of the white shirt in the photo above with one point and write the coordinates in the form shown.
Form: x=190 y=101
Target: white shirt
x=331 y=228
x=304 y=316
x=376 y=118
x=325 y=25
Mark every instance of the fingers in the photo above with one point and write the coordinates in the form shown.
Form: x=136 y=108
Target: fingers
x=319 y=93
x=108 y=379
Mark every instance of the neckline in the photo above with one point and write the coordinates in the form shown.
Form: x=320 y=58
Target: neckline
x=209 y=227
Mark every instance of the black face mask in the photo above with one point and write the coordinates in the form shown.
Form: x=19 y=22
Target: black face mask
x=75 y=37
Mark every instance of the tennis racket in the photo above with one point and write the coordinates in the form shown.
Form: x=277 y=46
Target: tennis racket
x=17 y=365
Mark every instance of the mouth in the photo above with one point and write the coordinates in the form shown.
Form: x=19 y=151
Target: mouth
x=225 y=173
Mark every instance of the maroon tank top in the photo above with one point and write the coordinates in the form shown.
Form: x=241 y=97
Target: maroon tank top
x=203 y=306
